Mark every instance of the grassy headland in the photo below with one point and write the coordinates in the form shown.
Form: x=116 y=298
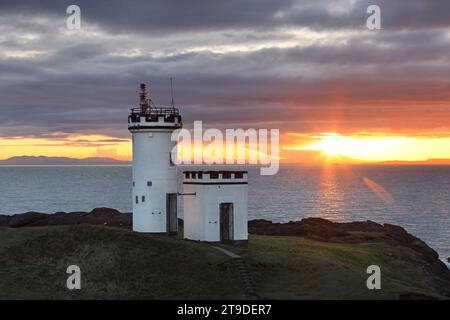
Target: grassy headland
x=115 y=264
x=298 y=268
x=309 y=259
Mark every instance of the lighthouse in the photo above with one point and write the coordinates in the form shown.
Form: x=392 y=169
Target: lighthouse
x=154 y=173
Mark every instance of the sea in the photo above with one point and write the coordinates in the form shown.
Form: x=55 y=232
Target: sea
x=416 y=197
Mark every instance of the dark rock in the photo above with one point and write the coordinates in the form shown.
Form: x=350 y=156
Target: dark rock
x=59 y=218
x=24 y=219
x=325 y=230
x=103 y=216
x=107 y=216
x=4 y=221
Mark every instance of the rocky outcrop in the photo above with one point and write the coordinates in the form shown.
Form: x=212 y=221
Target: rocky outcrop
x=350 y=232
x=4 y=220
x=103 y=216
x=20 y=220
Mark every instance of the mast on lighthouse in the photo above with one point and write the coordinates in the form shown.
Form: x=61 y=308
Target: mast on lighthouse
x=154 y=174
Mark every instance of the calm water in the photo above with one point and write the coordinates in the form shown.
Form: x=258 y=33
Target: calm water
x=415 y=197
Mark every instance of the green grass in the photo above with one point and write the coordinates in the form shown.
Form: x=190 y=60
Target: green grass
x=115 y=263
x=120 y=264
x=297 y=268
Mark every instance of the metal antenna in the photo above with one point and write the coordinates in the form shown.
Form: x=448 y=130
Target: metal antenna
x=143 y=101
x=171 y=90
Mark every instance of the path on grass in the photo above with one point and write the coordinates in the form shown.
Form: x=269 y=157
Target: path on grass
x=244 y=273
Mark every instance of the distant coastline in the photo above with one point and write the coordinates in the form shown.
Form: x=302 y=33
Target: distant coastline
x=105 y=161
x=424 y=162
x=55 y=161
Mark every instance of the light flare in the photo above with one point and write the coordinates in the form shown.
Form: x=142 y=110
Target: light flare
x=379 y=191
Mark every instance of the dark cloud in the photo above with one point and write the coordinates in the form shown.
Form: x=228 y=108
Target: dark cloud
x=165 y=16
x=240 y=63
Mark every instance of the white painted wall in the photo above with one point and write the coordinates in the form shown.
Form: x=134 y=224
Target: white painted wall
x=202 y=211
x=151 y=162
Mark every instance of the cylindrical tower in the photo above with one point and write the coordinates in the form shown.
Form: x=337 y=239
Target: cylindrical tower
x=154 y=174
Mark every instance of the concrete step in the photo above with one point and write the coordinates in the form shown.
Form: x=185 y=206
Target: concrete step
x=244 y=273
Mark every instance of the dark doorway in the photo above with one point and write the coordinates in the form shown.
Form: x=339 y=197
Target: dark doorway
x=226 y=221
x=171 y=211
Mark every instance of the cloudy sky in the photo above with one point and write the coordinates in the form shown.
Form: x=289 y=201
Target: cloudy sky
x=305 y=67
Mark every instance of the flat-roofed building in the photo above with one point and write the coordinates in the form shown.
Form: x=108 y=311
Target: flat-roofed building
x=215 y=205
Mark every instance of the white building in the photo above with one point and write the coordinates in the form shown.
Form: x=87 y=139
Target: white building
x=215 y=205
x=215 y=202
x=154 y=174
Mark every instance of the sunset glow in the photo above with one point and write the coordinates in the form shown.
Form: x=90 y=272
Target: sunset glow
x=376 y=148
x=331 y=146
x=74 y=146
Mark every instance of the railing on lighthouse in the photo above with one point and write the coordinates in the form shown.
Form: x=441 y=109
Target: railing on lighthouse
x=149 y=112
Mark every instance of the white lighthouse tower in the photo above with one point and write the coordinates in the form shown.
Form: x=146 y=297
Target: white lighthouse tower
x=154 y=174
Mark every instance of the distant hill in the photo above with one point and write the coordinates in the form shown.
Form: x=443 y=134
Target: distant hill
x=429 y=161
x=42 y=161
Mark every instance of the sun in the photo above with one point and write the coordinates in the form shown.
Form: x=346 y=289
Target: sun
x=332 y=144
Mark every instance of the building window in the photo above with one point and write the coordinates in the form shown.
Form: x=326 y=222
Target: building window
x=200 y=175
x=137 y=199
x=149 y=183
x=133 y=184
x=226 y=175
x=239 y=175
x=213 y=175
x=187 y=175
x=143 y=199
x=194 y=175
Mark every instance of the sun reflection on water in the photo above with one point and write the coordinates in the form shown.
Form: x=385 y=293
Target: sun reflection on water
x=329 y=194
x=333 y=199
